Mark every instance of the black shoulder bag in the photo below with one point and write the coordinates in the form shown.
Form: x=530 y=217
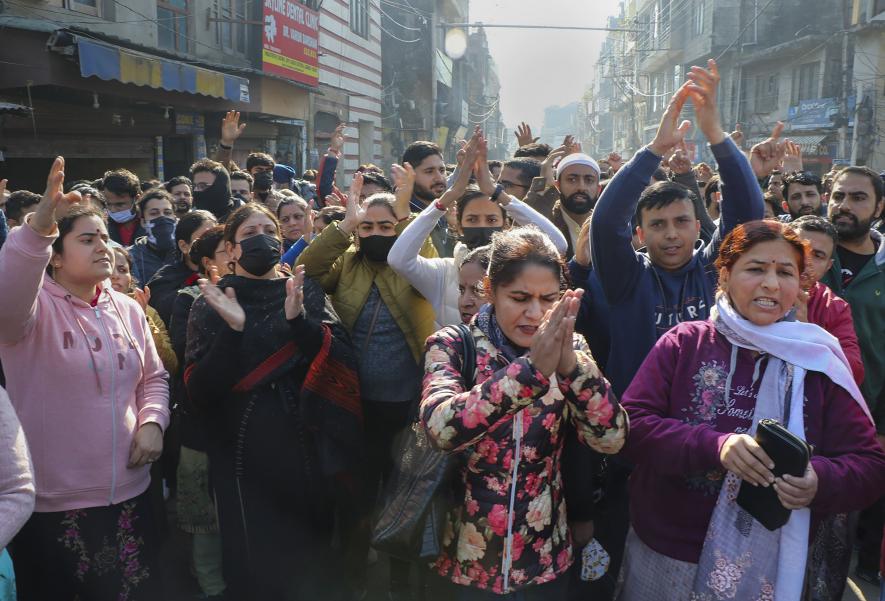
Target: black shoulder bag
x=412 y=508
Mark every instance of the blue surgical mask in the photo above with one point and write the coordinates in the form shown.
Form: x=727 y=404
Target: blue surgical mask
x=124 y=216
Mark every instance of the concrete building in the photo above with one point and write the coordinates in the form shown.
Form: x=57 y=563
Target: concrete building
x=144 y=83
x=349 y=82
x=868 y=29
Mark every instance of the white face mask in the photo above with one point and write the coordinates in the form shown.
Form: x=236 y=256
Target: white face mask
x=121 y=216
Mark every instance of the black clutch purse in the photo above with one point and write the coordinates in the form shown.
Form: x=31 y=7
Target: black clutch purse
x=790 y=455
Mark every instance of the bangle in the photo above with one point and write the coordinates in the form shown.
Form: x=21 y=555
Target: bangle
x=225 y=146
x=439 y=206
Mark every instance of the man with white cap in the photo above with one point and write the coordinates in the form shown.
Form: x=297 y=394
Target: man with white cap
x=566 y=192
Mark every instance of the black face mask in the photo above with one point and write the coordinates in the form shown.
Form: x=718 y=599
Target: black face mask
x=215 y=198
x=474 y=237
x=161 y=233
x=259 y=254
x=376 y=247
x=263 y=181
x=578 y=203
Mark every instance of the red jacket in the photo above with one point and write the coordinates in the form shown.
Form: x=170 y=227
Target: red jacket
x=832 y=313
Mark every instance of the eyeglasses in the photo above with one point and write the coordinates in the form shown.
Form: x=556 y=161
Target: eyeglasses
x=509 y=185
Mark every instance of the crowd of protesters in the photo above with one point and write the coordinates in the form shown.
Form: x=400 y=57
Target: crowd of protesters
x=250 y=349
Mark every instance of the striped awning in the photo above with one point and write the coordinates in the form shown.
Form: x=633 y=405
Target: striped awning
x=110 y=62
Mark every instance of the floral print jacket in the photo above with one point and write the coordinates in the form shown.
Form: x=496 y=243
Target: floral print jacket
x=509 y=533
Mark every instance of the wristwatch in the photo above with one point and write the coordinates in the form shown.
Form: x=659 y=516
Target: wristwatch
x=498 y=189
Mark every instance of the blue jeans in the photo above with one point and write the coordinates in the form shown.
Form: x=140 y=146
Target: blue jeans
x=882 y=588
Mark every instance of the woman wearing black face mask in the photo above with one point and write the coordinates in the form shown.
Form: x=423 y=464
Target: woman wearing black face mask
x=478 y=218
x=282 y=437
x=388 y=320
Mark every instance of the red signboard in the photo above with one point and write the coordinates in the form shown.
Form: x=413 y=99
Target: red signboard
x=291 y=41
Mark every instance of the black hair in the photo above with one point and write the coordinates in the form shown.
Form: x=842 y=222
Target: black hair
x=378 y=179
x=243 y=175
x=18 y=201
x=207 y=165
x=259 y=159
x=150 y=185
x=816 y=223
x=711 y=187
x=534 y=150
x=330 y=214
x=660 y=175
x=152 y=195
x=66 y=223
x=514 y=249
x=190 y=223
x=121 y=182
x=878 y=184
x=177 y=181
x=382 y=199
x=416 y=152
x=493 y=164
x=205 y=245
x=481 y=256
x=662 y=194
x=471 y=193
x=803 y=178
x=294 y=199
x=241 y=215
x=528 y=168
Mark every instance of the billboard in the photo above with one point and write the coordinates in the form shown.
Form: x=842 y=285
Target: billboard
x=291 y=41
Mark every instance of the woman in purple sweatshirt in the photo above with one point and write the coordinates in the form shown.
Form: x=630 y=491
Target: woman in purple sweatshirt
x=693 y=408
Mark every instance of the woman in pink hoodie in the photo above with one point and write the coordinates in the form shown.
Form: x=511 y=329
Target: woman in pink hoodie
x=92 y=396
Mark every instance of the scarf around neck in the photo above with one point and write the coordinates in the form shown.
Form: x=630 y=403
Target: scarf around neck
x=488 y=323
x=741 y=559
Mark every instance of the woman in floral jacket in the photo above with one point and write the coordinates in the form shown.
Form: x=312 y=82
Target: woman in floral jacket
x=533 y=378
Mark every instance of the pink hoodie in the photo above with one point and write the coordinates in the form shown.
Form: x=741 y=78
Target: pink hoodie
x=82 y=379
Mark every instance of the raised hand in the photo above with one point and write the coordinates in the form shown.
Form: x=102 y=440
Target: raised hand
x=231 y=129
x=336 y=143
x=792 y=157
x=670 y=131
x=2 y=187
x=568 y=360
x=737 y=135
x=679 y=161
x=703 y=89
x=801 y=306
x=54 y=198
x=403 y=177
x=767 y=155
x=582 y=246
x=352 y=210
x=143 y=297
x=295 y=293
x=481 y=170
x=225 y=304
x=616 y=162
x=547 y=166
x=523 y=134
x=546 y=349
x=459 y=157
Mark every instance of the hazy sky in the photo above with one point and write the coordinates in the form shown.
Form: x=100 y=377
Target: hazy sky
x=540 y=68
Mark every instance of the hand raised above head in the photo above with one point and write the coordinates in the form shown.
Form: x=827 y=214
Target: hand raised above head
x=54 y=201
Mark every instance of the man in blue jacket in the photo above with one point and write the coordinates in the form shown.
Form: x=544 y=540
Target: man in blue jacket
x=672 y=279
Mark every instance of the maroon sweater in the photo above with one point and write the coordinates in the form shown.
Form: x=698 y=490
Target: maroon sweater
x=679 y=420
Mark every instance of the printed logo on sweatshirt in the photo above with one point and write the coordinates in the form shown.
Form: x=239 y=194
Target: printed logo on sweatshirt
x=96 y=344
x=692 y=309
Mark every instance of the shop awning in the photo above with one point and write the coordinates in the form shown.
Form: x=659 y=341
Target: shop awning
x=8 y=108
x=808 y=144
x=110 y=62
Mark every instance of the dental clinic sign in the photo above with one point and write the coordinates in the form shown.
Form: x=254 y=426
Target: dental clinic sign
x=291 y=41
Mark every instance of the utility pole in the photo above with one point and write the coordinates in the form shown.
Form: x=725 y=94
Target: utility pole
x=846 y=86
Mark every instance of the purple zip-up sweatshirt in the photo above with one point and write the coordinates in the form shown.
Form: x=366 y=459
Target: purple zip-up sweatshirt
x=679 y=420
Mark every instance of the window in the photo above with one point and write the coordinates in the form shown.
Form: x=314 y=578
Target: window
x=231 y=26
x=359 y=17
x=805 y=82
x=766 y=93
x=89 y=7
x=172 y=24
x=700 y=8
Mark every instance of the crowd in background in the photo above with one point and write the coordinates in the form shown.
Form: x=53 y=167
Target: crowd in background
x=594 y=344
